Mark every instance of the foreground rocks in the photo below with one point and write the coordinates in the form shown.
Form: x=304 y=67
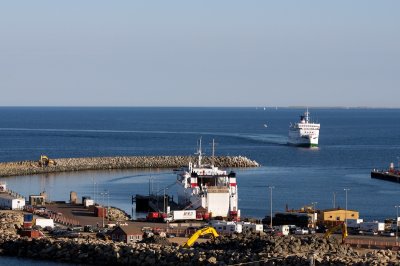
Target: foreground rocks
x=103 y=163
x=253 y=249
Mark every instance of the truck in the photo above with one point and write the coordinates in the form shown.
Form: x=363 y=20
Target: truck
x=182 y=215
x=247 y=226
x=372 y=226
x=227 y=227
x=354 y=223
x=156 y=216
x=282 y=229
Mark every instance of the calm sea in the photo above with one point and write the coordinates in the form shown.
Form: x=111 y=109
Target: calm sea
x=352 y=142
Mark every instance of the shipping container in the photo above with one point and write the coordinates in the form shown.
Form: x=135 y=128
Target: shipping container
x=182 y=215
x=43 y=222
x=27 y=225
x=28 y=217
x=100 y=212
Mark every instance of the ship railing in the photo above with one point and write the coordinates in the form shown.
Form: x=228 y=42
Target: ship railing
x=217 y=189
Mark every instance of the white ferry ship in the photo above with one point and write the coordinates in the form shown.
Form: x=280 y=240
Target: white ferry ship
x=304 y=133
x=205 y=187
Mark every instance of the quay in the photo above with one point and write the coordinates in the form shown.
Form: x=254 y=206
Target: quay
x=120 y=162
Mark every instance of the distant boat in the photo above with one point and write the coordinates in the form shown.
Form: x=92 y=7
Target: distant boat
x=264 y=108
x=265 y=125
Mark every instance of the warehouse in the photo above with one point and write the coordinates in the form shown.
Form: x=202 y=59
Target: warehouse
x=10 y=202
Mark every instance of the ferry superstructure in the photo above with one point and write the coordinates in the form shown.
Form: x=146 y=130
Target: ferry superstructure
x=208 y=188
x=304 y=133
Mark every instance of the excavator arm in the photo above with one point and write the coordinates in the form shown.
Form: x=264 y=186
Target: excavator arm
x=198 y=233
x=336 y=228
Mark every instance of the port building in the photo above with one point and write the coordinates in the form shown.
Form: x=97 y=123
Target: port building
x=10 y=200
x=333 y=216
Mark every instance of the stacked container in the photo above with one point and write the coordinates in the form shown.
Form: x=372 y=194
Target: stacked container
x=28 y=220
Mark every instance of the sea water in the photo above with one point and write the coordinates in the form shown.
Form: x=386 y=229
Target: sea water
x=352 y=142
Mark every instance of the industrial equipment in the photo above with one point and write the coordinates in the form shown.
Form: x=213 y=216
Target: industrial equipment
x=342 y=227
x=45 y=161
x=198 y=233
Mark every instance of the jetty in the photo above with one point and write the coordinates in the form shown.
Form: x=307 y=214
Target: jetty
x=119 y=162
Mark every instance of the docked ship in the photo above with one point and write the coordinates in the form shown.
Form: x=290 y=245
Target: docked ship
x=304 y=133
x=392 y=174
x=207 y=188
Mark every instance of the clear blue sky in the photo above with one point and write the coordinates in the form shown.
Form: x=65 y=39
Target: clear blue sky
x=200 y=53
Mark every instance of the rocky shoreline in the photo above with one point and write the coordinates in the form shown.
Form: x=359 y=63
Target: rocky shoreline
x=251 y=249
x=123 y=162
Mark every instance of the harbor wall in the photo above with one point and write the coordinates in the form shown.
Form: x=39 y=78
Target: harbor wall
x=123 y=162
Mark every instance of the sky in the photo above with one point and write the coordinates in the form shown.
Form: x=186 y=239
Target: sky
x=200 y=53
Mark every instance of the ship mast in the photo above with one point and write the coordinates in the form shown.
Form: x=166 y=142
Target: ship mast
x=213 y=153
x=306 y=115
x=199 y=152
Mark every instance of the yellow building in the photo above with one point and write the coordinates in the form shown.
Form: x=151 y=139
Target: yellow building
x=336 y=215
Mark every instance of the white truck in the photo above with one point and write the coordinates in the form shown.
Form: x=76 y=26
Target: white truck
x=354 y=223
x=225 y=227
x=184 y=215
x=372 y=226
x=247 y=226
x=282 y=229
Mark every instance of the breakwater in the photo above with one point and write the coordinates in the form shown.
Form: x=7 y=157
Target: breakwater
x=123 y=162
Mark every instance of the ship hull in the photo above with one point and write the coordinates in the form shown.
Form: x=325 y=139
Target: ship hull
x=302 y=141
x=386 y=176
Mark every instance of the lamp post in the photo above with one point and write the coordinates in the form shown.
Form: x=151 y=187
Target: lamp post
x=397 y=223
x=334 y=199
x=108 y=205
x=102 y=209
x=164 y=200
x=345 y=214
x=270 y=188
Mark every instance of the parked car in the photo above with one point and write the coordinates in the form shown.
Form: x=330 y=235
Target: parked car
x=388 y=233
x=171 y=235
x=370 y=233
x=301 y=231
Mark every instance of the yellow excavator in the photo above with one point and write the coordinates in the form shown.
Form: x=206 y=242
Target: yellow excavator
x=342 y=226
x=198 y=233
x=45 y=161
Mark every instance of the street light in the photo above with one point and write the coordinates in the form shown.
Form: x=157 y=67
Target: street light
x=270 y=188
x=345 y=214
x=397 y=222
x=164 y=200
x=334 y=199
x=103 y=194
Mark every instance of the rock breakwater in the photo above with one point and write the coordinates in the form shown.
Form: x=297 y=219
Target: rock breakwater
x=125 y=162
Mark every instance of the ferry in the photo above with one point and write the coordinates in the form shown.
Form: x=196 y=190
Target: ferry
x=207 y=188
x=304 y=133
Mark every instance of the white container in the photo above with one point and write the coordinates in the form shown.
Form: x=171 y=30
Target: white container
x=88 y=202
x=42 y=222
x=184 y=215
